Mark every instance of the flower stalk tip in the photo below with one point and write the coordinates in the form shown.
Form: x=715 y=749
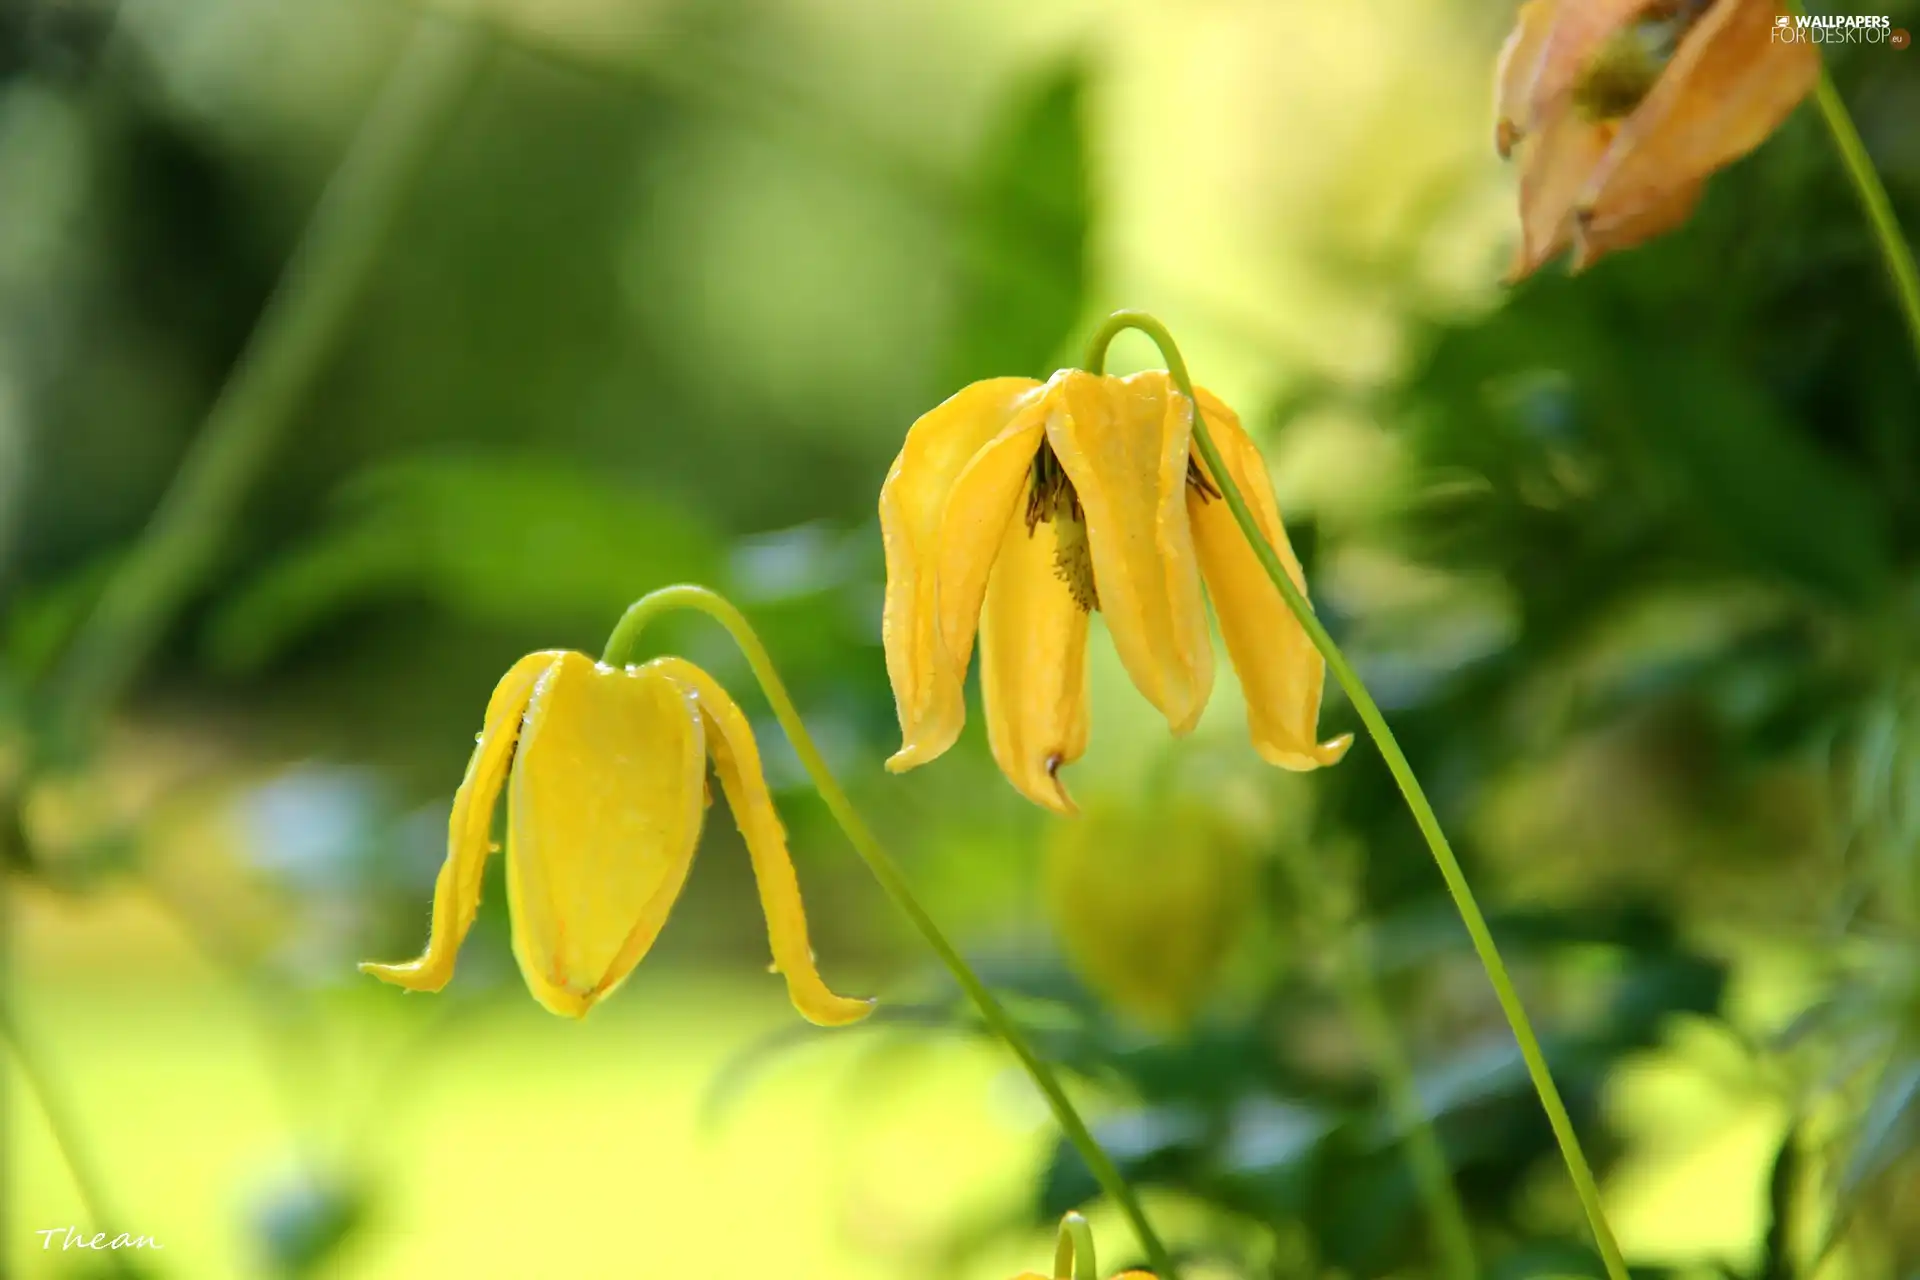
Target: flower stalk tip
x=1073 y=1254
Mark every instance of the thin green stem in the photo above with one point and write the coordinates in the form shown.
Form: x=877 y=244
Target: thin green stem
x=1874 y=199
x=620 y=650
x=66 y=1134
x=1352 y=956
x=1396 y=761
x=333 y=260
x=1073 y=1252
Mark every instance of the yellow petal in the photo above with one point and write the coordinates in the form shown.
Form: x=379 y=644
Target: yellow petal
x=926 y=678
x=1515 y=71
x=1033 y=666
x=456 y=894
x=991 y=489
x=1729 y=86
x=1123 y=443
x=1281 y=673
x=737 y=760
x=1556 y=165
x=604 y=808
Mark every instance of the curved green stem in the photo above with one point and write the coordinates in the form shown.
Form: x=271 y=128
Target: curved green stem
x=333 y=260
x=1878 y=206
x=621 y=646
x=60 y=1123
x=1073 y=1254
x=1353 y=979
x=1396 y=761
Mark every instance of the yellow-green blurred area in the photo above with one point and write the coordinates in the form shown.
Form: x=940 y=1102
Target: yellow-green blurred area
x=518 y=1145
x=527 y=307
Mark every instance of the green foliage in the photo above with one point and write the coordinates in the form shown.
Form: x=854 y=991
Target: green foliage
x=1672 y=507
x=490 y=540
x=1024 y=239
x=1723 y=417
x=1273 y=1136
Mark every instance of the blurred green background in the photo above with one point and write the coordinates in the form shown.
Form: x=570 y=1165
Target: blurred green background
x=598 y=295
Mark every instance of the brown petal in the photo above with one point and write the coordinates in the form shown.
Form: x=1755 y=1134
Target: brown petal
x=1729 y=86
x=1514 y=72
x=1556 y=166
x=1593 y=241
x=1578 y=30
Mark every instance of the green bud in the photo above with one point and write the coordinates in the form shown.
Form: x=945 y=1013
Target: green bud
x=1149 y=903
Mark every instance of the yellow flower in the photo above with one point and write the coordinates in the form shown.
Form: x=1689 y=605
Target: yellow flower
x=1621 y=109
x=1016 y=508
x=1124 y=1275
x=605 y=772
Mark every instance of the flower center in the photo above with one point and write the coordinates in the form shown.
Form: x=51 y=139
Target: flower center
x=1052 y=497
x=1627 y=66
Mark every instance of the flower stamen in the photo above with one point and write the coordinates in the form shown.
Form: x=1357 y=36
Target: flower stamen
x=1051 y=497
x=1050 y=493
x=1627 y=66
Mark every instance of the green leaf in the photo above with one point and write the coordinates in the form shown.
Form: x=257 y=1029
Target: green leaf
x=1759 y=482
x=1023 y=272
x=494 y=540
x=40 y=620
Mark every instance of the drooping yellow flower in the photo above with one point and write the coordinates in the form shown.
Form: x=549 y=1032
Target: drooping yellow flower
x=1621 y=109
x=605 y=774
x=1016 y=508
